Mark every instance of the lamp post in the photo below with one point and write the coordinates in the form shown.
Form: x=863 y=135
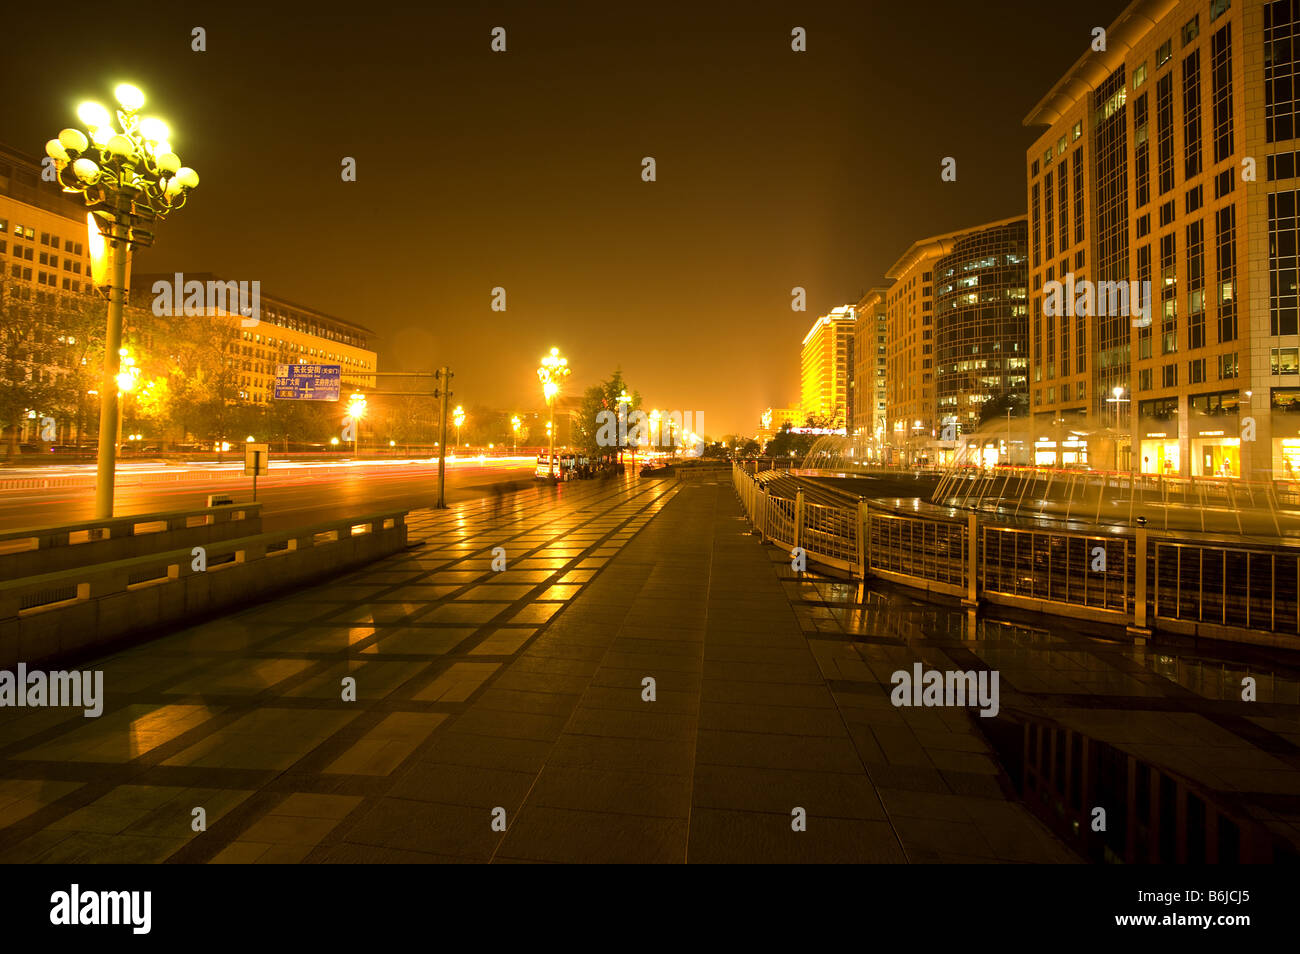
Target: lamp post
x=356 y=411
x=1117 y=398
x=554 y=369
x=129 y=180
x=624 y=402
x=458 y=418
x=515 y=424
x=125 y=385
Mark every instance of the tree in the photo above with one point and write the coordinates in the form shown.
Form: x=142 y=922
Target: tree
x=27 y=382
x=201 y=368
x=787 y=444
x=601 y=409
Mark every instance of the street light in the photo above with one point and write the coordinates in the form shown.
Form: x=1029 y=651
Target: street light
x=1117 y=398
x=624 y=401
x=458 y=417
x=126 y=381
x=356 y=411
x=554 y=369
x=515 y=424
x=129 y=180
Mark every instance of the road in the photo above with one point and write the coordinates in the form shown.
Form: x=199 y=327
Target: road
x=290 y=498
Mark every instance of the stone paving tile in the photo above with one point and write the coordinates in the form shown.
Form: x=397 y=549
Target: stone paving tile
x=526 y=691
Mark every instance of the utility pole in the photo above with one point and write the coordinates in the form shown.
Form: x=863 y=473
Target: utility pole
x=444 y=392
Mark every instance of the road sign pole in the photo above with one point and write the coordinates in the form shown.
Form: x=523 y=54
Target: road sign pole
x=257 y=465
x=445 y=375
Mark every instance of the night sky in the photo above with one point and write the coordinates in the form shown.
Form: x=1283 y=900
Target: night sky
x=523 y=169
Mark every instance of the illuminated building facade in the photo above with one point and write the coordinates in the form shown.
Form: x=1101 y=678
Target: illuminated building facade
x=1169 y=158
x=827 y=367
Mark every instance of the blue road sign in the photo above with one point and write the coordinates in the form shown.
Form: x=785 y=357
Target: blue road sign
x=307 y=382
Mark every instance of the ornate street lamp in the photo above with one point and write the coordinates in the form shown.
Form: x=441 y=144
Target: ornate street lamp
x=554 y=369
x=129 y=179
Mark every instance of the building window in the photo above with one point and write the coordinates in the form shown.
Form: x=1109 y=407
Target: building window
x=1192 y=115
x=1141 y=154
x=1279 y=71
x=1282 y=262
x=1169 y=376
x=1139 y=76
x=1191 y=29
x=1164 y=52
x=1224 y=183
x=1221 y=92
x=1196 y=371
x=1196 y=284
x=1218 y=8
x=1144 y=379
x=1228 y=365
x=1165 y=131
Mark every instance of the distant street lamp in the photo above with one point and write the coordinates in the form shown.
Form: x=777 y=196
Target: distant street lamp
x=356 y=411
x=458 y=416
x=515 y=424
x=129 y=180
x=126 y=381
x=655 y=417
x=554 y=369
x=624 y=401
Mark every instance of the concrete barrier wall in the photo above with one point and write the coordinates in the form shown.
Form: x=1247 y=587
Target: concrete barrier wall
x=105 y=606
x=68 y=546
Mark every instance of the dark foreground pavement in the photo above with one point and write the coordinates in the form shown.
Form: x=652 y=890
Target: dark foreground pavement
x=502 y=716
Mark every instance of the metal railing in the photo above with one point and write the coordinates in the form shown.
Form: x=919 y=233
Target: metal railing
x=1246 y=592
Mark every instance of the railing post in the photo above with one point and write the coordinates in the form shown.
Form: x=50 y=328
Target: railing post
x=972 y=561
x=1139 y=630
x=864 y=539
x=798 y=517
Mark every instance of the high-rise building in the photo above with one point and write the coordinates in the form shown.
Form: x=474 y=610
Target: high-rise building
x=870 y=334
x=827 y=367
x=981 y=338
x=913 y=433
x=1169 y=160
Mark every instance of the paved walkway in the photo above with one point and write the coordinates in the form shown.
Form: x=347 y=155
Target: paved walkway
x=481 y=692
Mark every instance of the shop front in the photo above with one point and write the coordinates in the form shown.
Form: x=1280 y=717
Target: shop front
x=1214 y=454
x=1070 y=452
x=1160 y=453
